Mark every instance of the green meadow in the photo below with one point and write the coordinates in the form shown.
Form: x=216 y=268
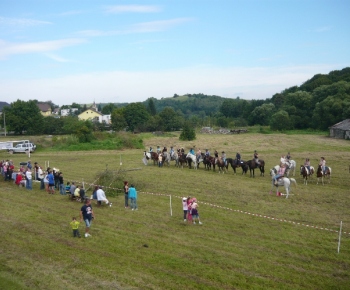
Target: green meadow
x=250 y=239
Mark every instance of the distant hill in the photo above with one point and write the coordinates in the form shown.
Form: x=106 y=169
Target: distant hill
x=3 y=104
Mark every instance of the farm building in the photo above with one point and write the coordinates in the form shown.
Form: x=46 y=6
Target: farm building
x=340 y=130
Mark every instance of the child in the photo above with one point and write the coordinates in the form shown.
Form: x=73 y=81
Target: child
x=189 y=204
x=185 y=207
x=195 y=214
x=75 y=226
x=68 y=188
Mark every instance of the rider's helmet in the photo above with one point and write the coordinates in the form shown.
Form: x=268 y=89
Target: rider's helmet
x=171 y=147
x=254 y=151
x=223 y=152
x=150 y=147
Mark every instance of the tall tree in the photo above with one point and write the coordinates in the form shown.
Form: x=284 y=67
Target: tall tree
x=23 y=117
x=188 y=133
x=151 y=107
x=136 y=116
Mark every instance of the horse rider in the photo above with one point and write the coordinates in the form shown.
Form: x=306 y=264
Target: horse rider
x=192 y=151
x=256 y=157
x=323 y=165
x=279 y=174
x=207 y=153
x=158 y=149
x=307 y=164
x=216 y=154
x=238 y=158
x=172 y=151
x=288 y=159
x=150 y=150
x=182 y=150
x=199 y=154
x=223 y=156
x=164 y=149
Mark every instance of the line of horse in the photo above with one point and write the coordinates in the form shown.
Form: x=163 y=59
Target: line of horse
x=209 y=162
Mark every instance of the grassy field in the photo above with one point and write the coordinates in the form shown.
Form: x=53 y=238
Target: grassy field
x=235 y=248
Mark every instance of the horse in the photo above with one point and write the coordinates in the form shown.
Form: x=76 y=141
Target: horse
x=234 y=164
x=200 y=159
x=252 y=165
x=306 y=173
x=283 y=181
x=321 y=174
x=182 y=159
x=221 y=165
x=191 y=158
x=207 y=162
x=166 y=158
x=150 y=155
x=175 y=157
x=291 y=166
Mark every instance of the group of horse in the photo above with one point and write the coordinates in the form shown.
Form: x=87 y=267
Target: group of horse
x=209 y=162
x=305 y=171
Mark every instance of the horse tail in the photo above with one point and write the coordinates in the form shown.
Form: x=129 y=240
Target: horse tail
x=293 y=181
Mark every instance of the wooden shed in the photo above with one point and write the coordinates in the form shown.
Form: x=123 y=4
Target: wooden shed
x=340 y=130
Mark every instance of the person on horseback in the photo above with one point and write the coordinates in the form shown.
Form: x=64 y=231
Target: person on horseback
x=164 y=149
x=279 y=174
x=223 y=156
x=182 y=150
x=171 y=151
x=207 y=153
x=288 y=156
x=216 y=154
x=158 y=149
x=256 y=157
x=323 y=165
x=192 y=151
x=307 y=164
x=199 y=154
x=238 y=158
x=150 y=150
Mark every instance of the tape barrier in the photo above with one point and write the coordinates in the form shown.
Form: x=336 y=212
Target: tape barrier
x=230 y=209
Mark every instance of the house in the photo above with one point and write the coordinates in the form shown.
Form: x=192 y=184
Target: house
x=45 y=109
x=340 y=130
x=67 y=112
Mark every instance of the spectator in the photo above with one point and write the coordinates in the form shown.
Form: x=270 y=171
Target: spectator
x=51 y=179
x=184 y=207
x=61 y=182
x=126 y=194
x=133 y=197
x=72 y=189
x=87 y=213
x=101 y=196
x=41 y=177
x=29 y=184
x=75 y=227
x=195 y=215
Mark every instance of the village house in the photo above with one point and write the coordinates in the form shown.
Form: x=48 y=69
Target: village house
x=340 y=130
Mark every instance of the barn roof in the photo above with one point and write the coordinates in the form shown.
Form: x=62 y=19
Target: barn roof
x=343 y=125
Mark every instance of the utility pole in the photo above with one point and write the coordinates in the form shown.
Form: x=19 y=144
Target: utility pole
x=5 y=123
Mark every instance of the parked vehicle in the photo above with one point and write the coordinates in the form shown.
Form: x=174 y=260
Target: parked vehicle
x=22 y=148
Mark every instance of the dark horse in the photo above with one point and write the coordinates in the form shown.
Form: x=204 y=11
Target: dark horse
x=322 y=175
x=154 y=157
x=306 y=173
x=182 y=159
x=253 y=165
x=234 y=164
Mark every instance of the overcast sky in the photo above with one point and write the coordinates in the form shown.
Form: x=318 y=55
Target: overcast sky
x=124 y=51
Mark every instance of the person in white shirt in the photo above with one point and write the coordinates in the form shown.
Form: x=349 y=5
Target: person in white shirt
x=101 y=196
x=29 y=184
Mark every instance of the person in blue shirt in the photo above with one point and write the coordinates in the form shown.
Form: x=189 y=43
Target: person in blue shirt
x=51 y=180
x=192 y=151
x=207 y=153
x=133 y=197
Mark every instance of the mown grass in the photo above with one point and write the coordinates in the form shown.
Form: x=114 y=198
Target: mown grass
x=150 y=249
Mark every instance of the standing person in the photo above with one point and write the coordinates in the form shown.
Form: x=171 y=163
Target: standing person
x=72 y=189
x=133 y=197
x=51 y=179
x=126 y=194
x=101 y=196
x=195 y=215
x=46 y=181
x=87 y=214
x=61 y=182
x=29 y=165
x=41 y=177
x=75 y=227
x=160 y=160
x=189 y=209
x=29 y=183
x=323 y=164
x=36 y=169
x=185 y=207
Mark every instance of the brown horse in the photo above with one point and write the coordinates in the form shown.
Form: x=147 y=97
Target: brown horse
x=253 y=165
x=306 y=173
x=182 y=159
x=221 y=165
x=322 y=175
x=154 y=157
x=234 y=164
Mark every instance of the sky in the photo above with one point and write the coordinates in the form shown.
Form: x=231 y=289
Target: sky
x=81 y=51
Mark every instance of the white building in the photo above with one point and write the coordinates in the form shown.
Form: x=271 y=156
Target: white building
x=66 y=112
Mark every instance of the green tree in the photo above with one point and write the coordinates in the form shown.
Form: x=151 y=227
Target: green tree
x=151 y=108
x=261 y=115
x=188 y=133
x=280 y=121
x=170 y=120
x=23 y=117
x=136 y=116
x=53 y=126
x=108 y=109
x=118 y=120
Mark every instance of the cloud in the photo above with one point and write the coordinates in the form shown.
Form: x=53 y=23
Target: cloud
x=133 y=9
x=137 y=86
x=8 y=48
x=56 y=57
x=22 y=22
x=142 y=27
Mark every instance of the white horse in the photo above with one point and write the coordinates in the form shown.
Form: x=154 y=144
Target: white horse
x=193 y=158
x=291 y=166
x=175 y=157
x=284 y=181
x=166 y=158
